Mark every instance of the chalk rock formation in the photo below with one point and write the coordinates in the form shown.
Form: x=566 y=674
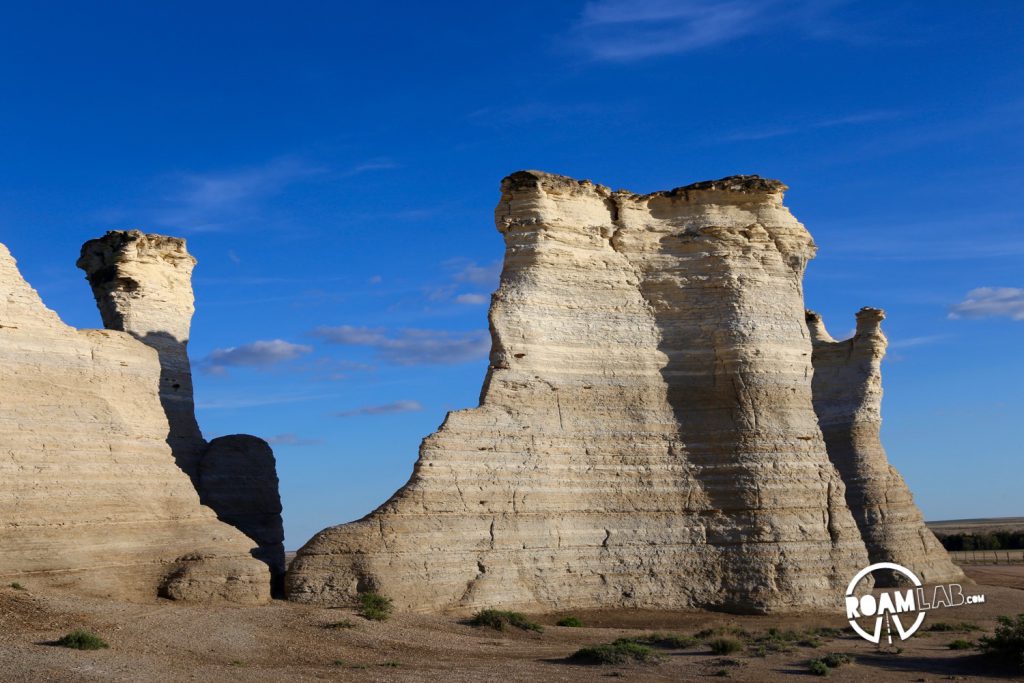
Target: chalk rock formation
x=847 y=390
x=237 y=477
x=90 y=495
x=645 y=436
x=143 y=286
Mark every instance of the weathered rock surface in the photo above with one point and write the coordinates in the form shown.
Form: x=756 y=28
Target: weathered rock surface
x=90 y=494
x=847 y=390
x=237 y=477
x=645 y=437
x=143 y=286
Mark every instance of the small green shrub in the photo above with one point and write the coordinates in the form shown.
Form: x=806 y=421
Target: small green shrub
x=1006 y=645
x=571 y=622
x=705 y=634
x=499 y=619
x=946 y=627
x=391 y=664
x=835 y=660
x=724 y=646
x=374 y=606
x=80 y=639
x=344 y=623
x=722 y=673
x=17 y=586
x=817 y=667
x=809 y=641
x=666 y=641
x=622 y=651
x=960 y=644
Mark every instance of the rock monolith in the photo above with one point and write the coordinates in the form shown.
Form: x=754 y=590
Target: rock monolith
x=91 y=497
x=143 y=286
x=847 y=390
x=645 y=435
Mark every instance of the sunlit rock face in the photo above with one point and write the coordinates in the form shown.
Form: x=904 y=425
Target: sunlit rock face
x=91 y=497
x=645 y=435
x=847 y=391
x=143 y=286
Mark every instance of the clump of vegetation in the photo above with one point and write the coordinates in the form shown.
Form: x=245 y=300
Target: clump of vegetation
x=344 y=623
x=960 y=644
x=666 y=641
x=391 y=664
x=705 y=634
x=374 y=606
x=622 y=651
x=722 y=673
x=945 y=627
x=17 y=586
x=818 y=667
x=499 y=619
x=724 y=646
x=996 y=540
x=80 y=639
x=571 y=622
x=835 y=660
x=1006 y=645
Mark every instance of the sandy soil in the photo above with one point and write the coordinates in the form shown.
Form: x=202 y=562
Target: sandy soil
x=164 y=641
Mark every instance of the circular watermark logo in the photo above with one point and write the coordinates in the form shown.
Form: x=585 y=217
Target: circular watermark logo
x=902 y=609
x=889 y=608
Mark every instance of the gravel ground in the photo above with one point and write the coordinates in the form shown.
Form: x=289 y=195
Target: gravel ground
x=164 y=641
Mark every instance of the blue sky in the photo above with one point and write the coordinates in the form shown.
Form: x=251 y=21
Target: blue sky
x=334 y=167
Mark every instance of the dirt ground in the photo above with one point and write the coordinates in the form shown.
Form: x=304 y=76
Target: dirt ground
x=165 y=641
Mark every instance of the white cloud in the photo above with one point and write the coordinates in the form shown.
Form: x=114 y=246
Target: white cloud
x=219 y=200
x=258 y=354
x=290 y=439
x=412 y=346
x=378 y=164
x=471 y=299
x=629 y=30
x=386 y=409
x=987 y=302
x=473 y=273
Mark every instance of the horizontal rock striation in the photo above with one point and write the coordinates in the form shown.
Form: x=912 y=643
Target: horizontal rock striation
x=143 y=285
x=847 y=391
x=645 y=436
x=90 y=495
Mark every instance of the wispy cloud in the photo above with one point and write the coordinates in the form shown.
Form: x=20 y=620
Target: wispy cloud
x=910 y=342
x=290 y=439
x=258 y=354
x=801 y=127
x=471 y=299
x=411 y=346
x=220 y=200
x=941 y=239
x=386 y=409
x=630 y=30
x=470 y=271
x=254 y=401
x=989 y=302
x=377 y=164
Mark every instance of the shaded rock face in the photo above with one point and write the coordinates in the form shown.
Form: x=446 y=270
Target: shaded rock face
x=645 y=437
x=847 y=391
x=237 y=477
x=143 y=286
x=90 y=495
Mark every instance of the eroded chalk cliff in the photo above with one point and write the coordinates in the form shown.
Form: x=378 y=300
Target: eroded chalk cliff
x=847 y=392
x=645 y=436
x=143 y=286
x=90 y=495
